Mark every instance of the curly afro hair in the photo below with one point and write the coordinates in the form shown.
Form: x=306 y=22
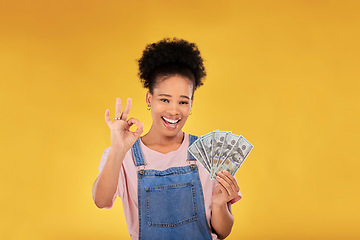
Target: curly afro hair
x=171 y=57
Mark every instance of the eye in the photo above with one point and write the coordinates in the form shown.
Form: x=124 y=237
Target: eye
x=184 y=103
x=164 y=100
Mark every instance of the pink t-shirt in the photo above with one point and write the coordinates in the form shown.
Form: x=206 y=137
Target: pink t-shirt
x=128 y=184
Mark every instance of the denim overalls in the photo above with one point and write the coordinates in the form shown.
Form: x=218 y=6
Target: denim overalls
x=171 y=202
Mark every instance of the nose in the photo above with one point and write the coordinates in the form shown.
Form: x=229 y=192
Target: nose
x=173 y=109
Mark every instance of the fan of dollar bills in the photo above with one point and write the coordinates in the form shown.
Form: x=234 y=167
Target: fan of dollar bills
x=220 y=150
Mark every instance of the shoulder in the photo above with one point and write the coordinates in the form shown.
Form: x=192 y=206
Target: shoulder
x=107 y=150
x=191 y=135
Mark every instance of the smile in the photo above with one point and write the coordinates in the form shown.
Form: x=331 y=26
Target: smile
x=171 y=120
x=170 y=123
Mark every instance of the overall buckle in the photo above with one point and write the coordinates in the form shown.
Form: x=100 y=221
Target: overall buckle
x=192 y=163
x=141 y=168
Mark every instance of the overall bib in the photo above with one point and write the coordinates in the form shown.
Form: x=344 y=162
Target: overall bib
x=171 y=202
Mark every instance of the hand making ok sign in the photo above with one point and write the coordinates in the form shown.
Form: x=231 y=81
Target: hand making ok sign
x=121 y=136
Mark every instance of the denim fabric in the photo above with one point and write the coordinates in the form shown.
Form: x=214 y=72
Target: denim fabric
x=171 y=202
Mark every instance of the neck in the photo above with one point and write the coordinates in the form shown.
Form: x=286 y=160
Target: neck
x=154 y=137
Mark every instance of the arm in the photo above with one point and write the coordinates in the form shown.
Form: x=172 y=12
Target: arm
x=105 y=185
x=122 y=139
x=222 y=219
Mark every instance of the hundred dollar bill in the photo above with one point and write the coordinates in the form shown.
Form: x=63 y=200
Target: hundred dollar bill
x=196 y=153
x=218 y=140
x=229 y=142
x=199 y=146
x=236 y=156
x=206 y=141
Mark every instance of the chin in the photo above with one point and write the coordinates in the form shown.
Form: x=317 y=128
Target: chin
x=171 y=132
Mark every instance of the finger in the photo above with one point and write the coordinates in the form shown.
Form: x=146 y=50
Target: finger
x=229 y=179
x=224 y=184
x=118 y=108
x=233 y=179
x=140 y=126
x=139 y=130
x=107 y=118
x=223 y=188
x=132 y=121
x=126 y=111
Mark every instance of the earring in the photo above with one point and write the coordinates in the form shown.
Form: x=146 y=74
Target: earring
x=148 y=107
x=190 y=112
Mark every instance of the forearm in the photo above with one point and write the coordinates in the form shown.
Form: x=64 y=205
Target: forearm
x=222 y=220
x=105 y=186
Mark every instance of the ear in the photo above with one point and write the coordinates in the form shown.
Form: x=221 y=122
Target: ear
x=148 y=98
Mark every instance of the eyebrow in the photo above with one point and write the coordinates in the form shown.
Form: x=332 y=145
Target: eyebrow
x=167 y=95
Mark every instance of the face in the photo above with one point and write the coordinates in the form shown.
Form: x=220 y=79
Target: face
x=170 y=104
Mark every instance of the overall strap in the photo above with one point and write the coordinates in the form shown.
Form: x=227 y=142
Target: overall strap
x=137 y=153
x=192 y=140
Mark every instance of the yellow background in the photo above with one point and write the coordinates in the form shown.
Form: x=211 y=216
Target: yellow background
x=284 y=74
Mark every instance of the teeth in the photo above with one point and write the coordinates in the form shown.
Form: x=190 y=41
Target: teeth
x=171 y=121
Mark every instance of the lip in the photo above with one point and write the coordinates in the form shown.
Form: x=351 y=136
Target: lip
x=171 y=125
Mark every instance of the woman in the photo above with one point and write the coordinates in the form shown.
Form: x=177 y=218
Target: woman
x=166 y=194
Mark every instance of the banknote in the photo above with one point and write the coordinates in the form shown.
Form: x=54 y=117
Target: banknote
x=219 y=138
x=196 y=153
x=236 y=156
x=206 y=141
x=220 y=150
x=229 y=142
x=201 y=149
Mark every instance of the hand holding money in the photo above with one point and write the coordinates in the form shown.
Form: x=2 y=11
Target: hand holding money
x=221 y=150
x=226 y=190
